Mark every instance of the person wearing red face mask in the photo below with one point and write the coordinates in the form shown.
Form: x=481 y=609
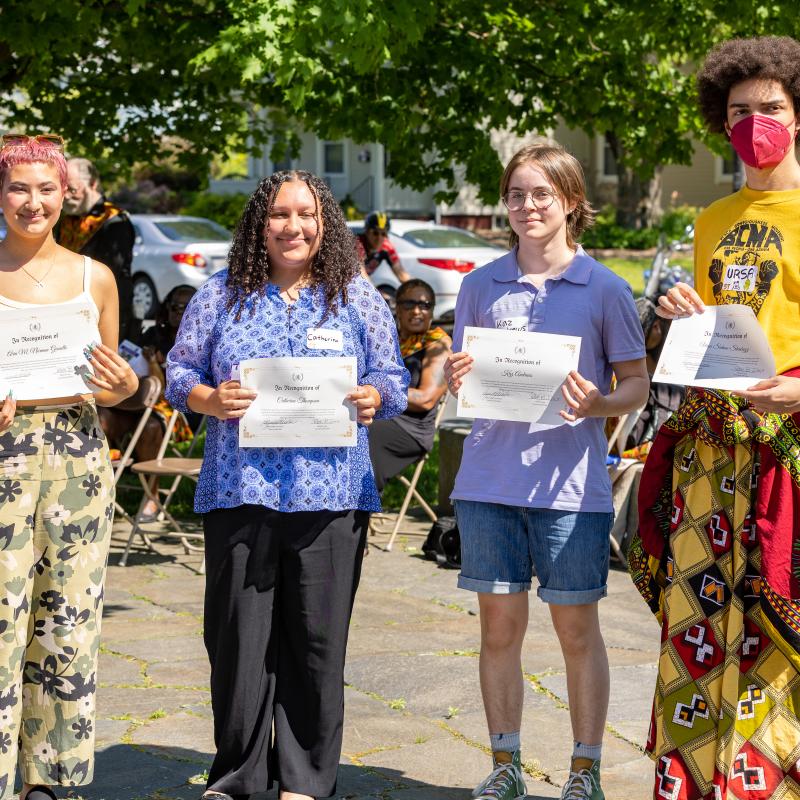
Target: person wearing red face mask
x=718 y=554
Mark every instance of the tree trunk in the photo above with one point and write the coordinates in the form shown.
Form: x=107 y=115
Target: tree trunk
x=638 y=199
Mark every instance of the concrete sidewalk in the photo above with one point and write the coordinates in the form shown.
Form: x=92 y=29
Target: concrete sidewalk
x=414 y=727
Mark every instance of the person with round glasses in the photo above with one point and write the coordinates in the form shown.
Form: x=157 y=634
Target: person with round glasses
x=397 y=442
x=527 y=497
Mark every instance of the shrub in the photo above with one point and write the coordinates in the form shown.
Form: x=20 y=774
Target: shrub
x=222 y=208
x=606 y=234
x=675 y=221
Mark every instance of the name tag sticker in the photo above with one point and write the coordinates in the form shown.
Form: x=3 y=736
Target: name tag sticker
x=324 y=339
x=511 y=324
x=740 y=278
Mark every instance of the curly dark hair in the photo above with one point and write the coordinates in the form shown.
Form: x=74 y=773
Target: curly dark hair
x=770 y=57
x=334 y=265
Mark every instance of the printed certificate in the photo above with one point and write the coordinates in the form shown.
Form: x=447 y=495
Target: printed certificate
x=516 y=375
x=722 y=348
x=300 y=402
x=42 y=351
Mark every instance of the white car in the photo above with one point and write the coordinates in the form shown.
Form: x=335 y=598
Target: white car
x=171 y=250
x=439 y=254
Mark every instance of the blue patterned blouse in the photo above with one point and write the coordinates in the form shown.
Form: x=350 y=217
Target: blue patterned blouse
x=211 y=341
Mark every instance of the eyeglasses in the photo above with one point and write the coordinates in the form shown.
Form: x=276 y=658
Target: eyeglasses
x=542 y=199
x=177 y=307
x=408 y=305
x=379 y=231
x=11 y=139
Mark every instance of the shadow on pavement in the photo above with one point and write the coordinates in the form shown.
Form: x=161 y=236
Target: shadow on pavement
x=126 y=772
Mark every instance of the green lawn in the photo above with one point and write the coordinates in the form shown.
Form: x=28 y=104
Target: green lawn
x=632 y=269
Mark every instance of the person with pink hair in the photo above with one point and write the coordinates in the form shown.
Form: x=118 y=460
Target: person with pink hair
x=56 y=492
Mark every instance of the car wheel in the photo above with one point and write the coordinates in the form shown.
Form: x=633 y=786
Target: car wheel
x=145 y=298
x=388 y=293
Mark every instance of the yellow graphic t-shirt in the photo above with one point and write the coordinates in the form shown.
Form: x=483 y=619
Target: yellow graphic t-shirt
x=747 y=250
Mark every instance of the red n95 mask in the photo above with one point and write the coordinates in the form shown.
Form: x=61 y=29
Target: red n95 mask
x=761 y=141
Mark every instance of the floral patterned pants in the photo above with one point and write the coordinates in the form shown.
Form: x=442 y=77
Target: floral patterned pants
x=56 y=508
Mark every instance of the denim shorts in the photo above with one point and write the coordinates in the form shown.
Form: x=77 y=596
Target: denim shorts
x=502 y=545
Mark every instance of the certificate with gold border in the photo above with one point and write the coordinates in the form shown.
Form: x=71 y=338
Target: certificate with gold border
x=300 y=402
x=41 y=350
x=516 y=376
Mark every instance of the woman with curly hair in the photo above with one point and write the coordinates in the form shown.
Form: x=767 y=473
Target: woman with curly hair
x=718 y=558
x=284 y=528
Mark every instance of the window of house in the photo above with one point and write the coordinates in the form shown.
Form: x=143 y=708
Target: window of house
x=727 y=166
x=609 y=162
x=724 y=167
x=285 y=161
x=333 y=158
x=607 y=170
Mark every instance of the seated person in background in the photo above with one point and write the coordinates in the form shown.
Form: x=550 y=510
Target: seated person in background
x=155 y=342
x=397 y=442
x=373 y=246
x=664 y=398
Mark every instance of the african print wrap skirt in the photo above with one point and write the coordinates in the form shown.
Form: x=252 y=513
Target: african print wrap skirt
x=56 y=509
x=718 y=561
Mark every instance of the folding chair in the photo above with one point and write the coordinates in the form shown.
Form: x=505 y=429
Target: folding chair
x=177 y=467
x=622 y=500
x=144 y=399
x=411 y=485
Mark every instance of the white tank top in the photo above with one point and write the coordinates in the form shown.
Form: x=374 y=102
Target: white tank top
x=85 y=295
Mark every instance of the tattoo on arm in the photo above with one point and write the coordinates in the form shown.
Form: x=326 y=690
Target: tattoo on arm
x=416 y=396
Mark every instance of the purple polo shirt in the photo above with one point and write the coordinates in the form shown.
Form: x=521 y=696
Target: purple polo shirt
x=561 y=468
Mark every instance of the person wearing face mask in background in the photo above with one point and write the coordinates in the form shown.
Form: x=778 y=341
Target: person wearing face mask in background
x=719 y=504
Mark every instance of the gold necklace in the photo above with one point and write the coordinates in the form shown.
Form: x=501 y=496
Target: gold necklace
x=39 y=281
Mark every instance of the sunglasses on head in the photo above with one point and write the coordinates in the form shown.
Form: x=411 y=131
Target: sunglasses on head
x=53 y=139
x=408 y=305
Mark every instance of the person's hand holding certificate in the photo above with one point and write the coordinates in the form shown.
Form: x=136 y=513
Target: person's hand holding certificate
x=516 y=375
x=300 y=402
x=722 y=348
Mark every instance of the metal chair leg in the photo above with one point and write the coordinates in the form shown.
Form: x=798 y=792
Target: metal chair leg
x=412 y=487
x=617 y=551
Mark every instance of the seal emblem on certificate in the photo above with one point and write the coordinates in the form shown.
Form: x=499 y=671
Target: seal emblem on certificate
x=300 y=402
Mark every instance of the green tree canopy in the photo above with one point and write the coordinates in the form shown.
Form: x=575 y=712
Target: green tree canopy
x=430 y=79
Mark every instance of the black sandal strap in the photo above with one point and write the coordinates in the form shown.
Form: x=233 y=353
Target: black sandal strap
x=40 y=793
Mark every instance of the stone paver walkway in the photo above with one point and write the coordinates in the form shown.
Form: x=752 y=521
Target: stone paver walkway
x=414 y=727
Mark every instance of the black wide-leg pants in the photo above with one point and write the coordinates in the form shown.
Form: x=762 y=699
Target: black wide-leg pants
x=279 y=592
